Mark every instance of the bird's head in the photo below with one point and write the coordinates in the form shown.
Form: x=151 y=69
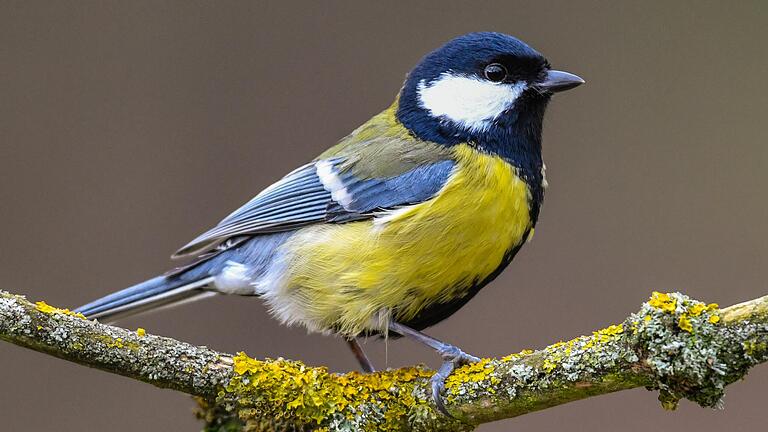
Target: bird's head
x=479 y=84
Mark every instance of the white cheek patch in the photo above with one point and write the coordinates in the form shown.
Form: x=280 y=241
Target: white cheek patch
x=471 y=103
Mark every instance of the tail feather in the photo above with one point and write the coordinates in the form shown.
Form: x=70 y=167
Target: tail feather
x=153 y=294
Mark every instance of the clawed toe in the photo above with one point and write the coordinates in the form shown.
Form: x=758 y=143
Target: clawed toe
x=452 y=357
x=453 y=354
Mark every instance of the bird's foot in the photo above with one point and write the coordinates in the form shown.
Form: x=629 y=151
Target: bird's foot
x=452 y=357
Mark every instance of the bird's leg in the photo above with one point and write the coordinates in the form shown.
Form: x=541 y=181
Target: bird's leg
x=357 y=350
x=452 y=357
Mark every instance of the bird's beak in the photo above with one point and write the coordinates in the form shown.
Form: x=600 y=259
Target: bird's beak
x=557 y=81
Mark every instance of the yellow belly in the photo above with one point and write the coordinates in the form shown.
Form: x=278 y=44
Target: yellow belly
x=357 y=276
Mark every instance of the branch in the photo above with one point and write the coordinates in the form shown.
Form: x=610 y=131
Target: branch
x=680 y=346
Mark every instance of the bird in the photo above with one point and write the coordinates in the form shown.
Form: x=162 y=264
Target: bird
x=399 y=224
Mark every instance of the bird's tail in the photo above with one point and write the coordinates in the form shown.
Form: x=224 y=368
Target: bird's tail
x=154 y=294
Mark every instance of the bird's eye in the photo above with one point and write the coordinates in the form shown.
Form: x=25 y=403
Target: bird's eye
x=495 y=72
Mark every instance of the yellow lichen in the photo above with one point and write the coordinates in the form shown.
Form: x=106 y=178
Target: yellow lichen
x=515 y=356
x=608 y=333
x=697 y=309
x=311 y=395
x=570 y=345
x=475 y=372
x=754 y=348
x=46 y=308
x=663 y=302
x=117 y=343
x=141 y=332
x=612 y=330
x=557 y=352
x=548 y=365
x=685 y=323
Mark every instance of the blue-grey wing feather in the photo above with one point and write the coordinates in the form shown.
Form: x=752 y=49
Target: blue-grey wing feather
x=306 y=197
x=411 y=187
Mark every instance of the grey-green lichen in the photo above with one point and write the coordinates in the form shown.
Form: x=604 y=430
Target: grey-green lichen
x=675 y=344
x=534 y=380
x=160 y=361
x=680 y=346
x=688 y=350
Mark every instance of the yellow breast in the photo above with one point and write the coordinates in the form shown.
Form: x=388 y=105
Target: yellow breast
x=356 y=276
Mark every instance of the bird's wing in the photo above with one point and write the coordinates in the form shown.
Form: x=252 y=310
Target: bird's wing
x=332 y=189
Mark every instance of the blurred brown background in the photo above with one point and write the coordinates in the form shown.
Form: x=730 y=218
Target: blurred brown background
x=126 y=128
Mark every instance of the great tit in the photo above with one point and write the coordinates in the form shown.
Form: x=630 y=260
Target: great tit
x=398 y=225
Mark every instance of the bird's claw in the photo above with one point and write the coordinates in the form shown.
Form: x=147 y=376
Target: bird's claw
x=453 y=354
x=452 y=357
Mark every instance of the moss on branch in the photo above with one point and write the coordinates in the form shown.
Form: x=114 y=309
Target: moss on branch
x=679 y=346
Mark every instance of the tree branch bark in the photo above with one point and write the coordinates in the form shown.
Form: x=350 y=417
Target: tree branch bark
x=680 y=346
